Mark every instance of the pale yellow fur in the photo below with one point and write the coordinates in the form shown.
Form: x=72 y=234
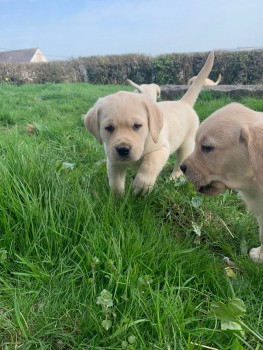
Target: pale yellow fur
x=229 y=154
x=207 y=82
x=152 y=90
x=137 y=132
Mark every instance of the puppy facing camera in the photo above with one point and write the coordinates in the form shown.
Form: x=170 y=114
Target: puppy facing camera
x=140 y=133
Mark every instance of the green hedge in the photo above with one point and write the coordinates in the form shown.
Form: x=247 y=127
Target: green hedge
x=242 y=67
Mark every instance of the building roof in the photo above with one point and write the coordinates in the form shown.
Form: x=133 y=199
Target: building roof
x=18 y=56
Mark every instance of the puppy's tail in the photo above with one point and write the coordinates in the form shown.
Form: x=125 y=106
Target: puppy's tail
x=190 y=81
x=136 y=86
x=192 y=93
x=218 y=79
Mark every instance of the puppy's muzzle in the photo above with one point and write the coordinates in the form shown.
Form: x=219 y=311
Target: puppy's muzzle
x=123 y=151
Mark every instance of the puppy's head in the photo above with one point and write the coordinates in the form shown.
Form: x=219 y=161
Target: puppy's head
x=228 y=151
x=152 y=90
x=124 y=122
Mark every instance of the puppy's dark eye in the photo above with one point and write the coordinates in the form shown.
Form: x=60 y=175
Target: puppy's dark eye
x=109 y=128
x=136 y=126
x=206 y=148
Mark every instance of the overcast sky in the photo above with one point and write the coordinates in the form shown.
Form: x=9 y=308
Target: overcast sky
x=71 y=28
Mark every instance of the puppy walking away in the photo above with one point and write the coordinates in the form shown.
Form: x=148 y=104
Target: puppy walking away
x=152 y=90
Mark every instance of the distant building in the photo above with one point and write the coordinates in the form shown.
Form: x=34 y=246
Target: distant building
x=22 y=56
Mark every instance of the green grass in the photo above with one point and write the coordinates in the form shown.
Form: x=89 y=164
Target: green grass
x=65 y=238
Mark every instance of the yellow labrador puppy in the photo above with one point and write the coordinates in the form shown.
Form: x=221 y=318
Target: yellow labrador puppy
x=152 y=90
x=229 y=154
x=136 y=132
x=208 y=82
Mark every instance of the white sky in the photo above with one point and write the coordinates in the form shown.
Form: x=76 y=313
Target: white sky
x=73 y=28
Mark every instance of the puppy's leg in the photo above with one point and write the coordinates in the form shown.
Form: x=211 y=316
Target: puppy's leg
x=116 y=175
x=257 y=253
x=182 y=153
x=150 y=168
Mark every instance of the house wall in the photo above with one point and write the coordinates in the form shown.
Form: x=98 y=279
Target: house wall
x=39 y=57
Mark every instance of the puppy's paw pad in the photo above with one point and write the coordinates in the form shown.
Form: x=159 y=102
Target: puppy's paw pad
x=256 y=254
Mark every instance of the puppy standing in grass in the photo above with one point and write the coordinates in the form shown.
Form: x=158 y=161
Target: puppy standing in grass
x=207 y=82
x=229 y=154
x=136 y=132
x=152 y=90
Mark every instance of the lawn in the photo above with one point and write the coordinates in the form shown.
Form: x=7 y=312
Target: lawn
x=84 y=269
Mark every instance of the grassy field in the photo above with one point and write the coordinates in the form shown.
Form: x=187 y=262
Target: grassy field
x=83 y=269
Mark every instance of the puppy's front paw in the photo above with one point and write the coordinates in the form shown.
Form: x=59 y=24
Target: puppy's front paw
x=119 y=190
x=142 y=184
x=257 y=254
x=175 y=174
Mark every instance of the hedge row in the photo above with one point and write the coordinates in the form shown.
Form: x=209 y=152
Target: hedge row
x=242 y=67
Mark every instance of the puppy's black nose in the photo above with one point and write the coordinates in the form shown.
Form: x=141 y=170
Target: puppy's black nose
x=123 y=151
x=183 y=167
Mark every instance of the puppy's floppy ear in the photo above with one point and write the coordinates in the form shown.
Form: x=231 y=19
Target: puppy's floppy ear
x=155 y=119
x=91 y=120
x=252 y=136
x=158 y=91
